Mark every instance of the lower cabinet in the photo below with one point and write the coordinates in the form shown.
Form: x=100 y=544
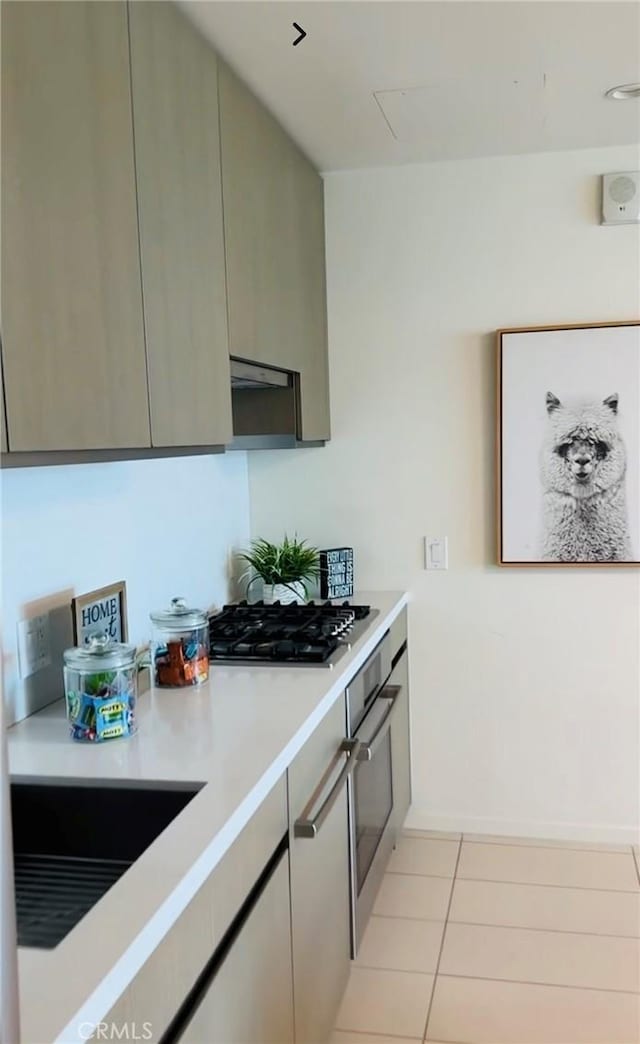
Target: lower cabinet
x=261 y=954
x=319 y=857
x=233 y=941
x=249 y=999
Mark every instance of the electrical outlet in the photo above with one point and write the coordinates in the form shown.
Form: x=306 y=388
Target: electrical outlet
x=436 y=553
x=34 y=644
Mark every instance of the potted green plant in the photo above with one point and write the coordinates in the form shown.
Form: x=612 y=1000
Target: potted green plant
x=284 y=569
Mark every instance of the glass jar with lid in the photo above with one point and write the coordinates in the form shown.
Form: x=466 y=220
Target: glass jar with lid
x=100 y=685
x=179 y=645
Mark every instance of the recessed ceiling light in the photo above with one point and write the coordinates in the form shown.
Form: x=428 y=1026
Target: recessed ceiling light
x=624 y=92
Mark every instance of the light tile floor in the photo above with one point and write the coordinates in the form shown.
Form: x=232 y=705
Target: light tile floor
x=493 y=940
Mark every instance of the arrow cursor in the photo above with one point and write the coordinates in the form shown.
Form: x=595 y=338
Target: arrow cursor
x=302 y=34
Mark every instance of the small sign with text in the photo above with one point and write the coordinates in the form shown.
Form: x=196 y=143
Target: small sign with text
x=101 y=612
x=336 y=573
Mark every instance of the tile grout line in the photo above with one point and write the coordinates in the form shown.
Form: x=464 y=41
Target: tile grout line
x=393 y=971
x=483 y=924
x=409 y=917
x=529 y=884
x=547 y=985
x=520 y=884
x=412 y=917
x=444 y=932
x=392 y=1035
x=635 y=862
x=548 y=844
x=559 y=846
x=549 y=931
x=544 y=884
x=524 y=884
x=535 y=884
x=415 y=873
x=437 y=835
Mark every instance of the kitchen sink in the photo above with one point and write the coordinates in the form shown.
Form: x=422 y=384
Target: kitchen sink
x=72 y=841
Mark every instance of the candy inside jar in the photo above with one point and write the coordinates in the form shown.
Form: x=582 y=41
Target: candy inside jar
x=100 y=682
x=180 y=646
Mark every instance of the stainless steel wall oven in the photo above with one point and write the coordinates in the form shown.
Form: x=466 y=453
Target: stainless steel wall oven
x=371 y=701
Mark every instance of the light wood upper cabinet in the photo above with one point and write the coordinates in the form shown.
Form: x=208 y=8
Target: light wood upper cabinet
x=177 y=149
x=73 y=338
x=311 y=316
x=3 y=419
x=274 y=236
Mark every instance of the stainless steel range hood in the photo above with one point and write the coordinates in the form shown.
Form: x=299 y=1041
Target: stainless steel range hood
x=253 y=375
x=266 y=407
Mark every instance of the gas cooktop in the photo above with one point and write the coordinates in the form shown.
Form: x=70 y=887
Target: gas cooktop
x=313 y=634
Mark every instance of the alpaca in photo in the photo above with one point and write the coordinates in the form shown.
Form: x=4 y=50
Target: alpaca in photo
x=583 y=467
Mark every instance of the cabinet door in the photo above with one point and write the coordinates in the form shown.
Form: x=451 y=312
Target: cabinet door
x=73 y=339
x=274 y=238
x=250 y=998
x=161 y=992
x=177 y=147
x=309 y=307
x=320 y=906
x=3 y=419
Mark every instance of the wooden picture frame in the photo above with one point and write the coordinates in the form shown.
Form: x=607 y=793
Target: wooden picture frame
x=568 y=472
x=100 y=611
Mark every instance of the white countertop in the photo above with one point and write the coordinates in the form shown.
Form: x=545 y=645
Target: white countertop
x=237 y=734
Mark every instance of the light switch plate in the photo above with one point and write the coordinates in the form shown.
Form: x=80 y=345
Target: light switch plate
x=436 y=552
x=34 y=644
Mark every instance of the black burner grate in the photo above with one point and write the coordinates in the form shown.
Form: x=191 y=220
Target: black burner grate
x=297 y=634
x=53 y=893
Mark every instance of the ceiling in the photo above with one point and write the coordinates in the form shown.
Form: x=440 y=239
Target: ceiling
x=384 y=83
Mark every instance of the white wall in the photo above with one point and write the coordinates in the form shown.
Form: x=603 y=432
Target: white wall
x=165 y=526
x=525 y=683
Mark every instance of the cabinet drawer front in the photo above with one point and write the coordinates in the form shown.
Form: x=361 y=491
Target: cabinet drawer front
x=320 y=924
x=161 y=986
x=250 y=999
x=314 y=759
x=240 y=868
x=320 y=913
x=165 y=979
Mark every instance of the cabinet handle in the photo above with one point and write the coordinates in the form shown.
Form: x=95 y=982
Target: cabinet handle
x=309 y=827
x=389 y=695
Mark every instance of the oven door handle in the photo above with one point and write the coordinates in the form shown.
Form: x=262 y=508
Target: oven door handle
x=309 y=827
x=389 y=695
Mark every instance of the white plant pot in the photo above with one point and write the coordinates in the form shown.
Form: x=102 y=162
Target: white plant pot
x=284 y=593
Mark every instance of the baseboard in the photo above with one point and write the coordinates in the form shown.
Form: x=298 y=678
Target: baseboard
x=420 y=819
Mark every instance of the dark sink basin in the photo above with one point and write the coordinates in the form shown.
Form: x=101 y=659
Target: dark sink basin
x=72 y=842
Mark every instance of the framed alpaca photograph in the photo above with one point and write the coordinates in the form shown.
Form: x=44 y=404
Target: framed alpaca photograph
x=568 y=445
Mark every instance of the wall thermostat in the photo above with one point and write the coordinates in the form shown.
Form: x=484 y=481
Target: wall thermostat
x=621 y=198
